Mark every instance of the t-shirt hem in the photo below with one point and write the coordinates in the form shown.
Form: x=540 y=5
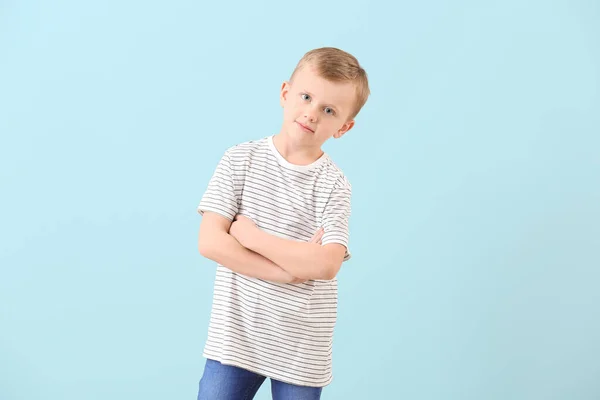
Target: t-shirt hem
x=348 y=255
x=267 y=374
x=201 y=211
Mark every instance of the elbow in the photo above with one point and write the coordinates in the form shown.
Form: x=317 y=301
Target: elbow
x=332 y=258
x=203 y=249
x=329 y=271
x=328 y=276
x=206 y=248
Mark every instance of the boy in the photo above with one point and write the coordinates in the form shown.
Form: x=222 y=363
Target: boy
x=275 y=219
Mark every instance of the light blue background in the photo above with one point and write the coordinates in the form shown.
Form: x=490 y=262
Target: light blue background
x=475 y=168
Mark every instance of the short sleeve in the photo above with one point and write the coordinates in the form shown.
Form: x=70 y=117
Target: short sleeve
x=220 y=196
x=336 y=217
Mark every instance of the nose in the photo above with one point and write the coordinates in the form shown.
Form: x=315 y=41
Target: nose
x=310 y=114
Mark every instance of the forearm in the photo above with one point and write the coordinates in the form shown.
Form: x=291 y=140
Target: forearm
x=300 y=259
x=227 y=251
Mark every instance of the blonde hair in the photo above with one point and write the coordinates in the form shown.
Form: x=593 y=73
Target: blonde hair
x=336 y=65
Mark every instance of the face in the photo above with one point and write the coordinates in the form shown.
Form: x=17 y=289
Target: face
x=315 y=109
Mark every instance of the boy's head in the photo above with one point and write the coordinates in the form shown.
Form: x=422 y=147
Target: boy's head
x=326 y=91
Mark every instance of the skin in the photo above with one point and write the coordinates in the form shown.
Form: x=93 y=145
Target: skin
x=321 y=105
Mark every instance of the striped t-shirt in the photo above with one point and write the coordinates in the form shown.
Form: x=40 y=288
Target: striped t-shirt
x=282 y=331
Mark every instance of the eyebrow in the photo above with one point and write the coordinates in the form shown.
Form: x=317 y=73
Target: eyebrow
x=326 y=105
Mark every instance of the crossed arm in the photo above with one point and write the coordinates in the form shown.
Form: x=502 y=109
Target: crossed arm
x=244 y=248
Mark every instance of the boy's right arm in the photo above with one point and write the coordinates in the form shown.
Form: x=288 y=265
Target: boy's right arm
x=215 y=243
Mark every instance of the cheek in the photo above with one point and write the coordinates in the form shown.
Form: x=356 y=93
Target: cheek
x=331 y=123
x=288 y=113
x=291 y=109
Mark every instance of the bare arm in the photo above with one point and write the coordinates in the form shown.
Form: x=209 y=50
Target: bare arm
x=305 y=260
x=215 y=243
x=301 y=259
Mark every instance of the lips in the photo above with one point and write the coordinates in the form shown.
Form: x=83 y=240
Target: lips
x=305 y=127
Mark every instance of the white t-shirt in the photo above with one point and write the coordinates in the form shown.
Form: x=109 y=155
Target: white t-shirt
x=282 y=331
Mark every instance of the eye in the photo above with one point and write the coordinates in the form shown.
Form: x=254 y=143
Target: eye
x=329 y=111
x=305 y=96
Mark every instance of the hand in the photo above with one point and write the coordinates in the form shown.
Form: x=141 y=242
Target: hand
x=243 y=229
x=317 y=238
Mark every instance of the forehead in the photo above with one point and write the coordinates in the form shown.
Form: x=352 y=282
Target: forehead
x=339 y=94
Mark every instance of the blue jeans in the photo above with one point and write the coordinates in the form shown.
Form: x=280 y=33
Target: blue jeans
x=226 y=382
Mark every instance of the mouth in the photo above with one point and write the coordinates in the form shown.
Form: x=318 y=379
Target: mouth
x=305 y=128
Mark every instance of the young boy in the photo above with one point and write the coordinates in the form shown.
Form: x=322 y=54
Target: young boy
x=275 y=220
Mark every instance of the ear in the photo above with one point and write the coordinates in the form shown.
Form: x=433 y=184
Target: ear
x=285 y=89
x=345 y=128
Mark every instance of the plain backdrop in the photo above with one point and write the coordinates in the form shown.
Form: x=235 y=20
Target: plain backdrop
x=475 y=168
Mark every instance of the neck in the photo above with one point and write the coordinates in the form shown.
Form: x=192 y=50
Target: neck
x=295 y=153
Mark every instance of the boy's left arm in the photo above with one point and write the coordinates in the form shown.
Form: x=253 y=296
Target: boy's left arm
x=304 y=259
x=301 y=259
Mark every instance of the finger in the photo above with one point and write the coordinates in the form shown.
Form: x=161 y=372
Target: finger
x=314 y=238
x=317 y=235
